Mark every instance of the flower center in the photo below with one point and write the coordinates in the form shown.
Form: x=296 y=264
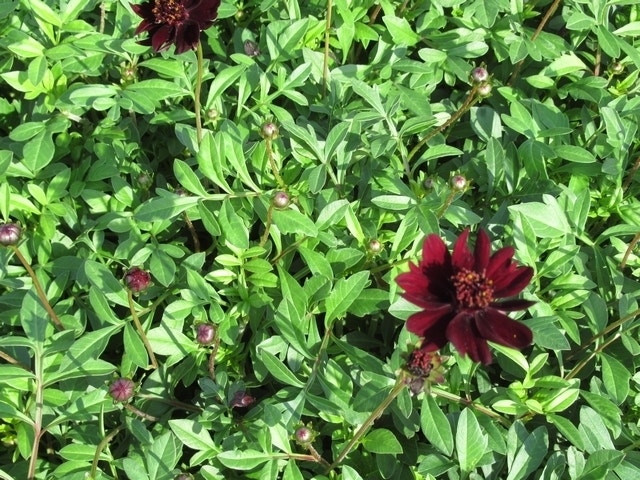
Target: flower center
x=473 y=289
x=420 y=363
x=170 y=12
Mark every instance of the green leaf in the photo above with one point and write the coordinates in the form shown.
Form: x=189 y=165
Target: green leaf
x=164 y=208
x=567 y=429
x=435 y=426
x=547 y=219
x=382 y=441
x=162 y=456
x=293 y=222
x=529 y=455
x=344 y=293
x=193 y=435
x=245 y=459
x=471 y=443
x=401 y=31
x=615 y=377
x=574 y=153
x=134 y=347
x=38 y=152
x=35 y=320
x=278 y=369
x=187 y=178
x=232 y=225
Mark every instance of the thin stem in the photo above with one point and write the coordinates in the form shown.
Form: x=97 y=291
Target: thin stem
x=272 y=162
x=325 y=62
x=630 y=248
x=103 y=443
x=37 y=421
x=38 y=287
x=140 y=413
x=267 y=227
x=9 y=359
x=192 y=231
x=395 y=391
x=438 y=392
x=211 y=364
x=198 y=90
x=574 y=371
x=608 y=329
x=143 y=336
x=471 y=99
x=318 y=360
x=317 y=457
x=632 y=172
x=554 y=6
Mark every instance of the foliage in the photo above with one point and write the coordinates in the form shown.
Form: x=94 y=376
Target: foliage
x=374 y=113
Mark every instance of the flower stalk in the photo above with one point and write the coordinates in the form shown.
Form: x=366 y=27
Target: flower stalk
x=143 y=336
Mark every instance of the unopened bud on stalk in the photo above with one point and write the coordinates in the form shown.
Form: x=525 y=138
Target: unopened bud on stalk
x=10 y=234
x=479 y=75
x=251 y=48
x=205 y=333
x=269 y=131
x=122 y=389
x=458 y=182
x=375 y=247
x=137 y=280
x=484 y=90
x=280 y=200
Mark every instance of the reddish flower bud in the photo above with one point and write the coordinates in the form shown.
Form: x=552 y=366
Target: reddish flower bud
x=10 y=234
x=304 y=435
x=280 y=199
x=137 y=280
x=241 y=399
x=205 y=333
x=458 y=182
x=122 y=389
x=269 y=131
x=479 y=75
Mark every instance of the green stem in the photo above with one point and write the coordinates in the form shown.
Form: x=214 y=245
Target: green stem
x=37 y=421
x=38 y=287
x=272 y=162
x=438 y=392
x=143 y=336
x=318 y=361
x=325 y=64
x=471 y=99
x=100 y=448
x=198 y=90
x=395 y=391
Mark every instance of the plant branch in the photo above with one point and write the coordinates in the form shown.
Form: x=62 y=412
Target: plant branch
x=143 y=336
x=38 y=287
x=103 y=443
x=325 y=61
x=198 y=90
x=438 y=392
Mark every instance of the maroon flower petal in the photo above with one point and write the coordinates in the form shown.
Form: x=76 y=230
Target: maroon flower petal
x=204 y=12
x=421 y=322
x=482 y=252
x=499 y=261
x=462 y=258
x=512 y=305
x=464 y=336
x=518 y=280
x=498 y=328
x=418 y=289
x=162 y=37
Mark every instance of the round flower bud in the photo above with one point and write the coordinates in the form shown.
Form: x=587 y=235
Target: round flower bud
x=251 y=48
x=280 y=200
x=122 y=389
x=212 y=114
x=205 y=333
x=375 y=247
x=458 y=182
x=484 y=90
x=616 y=68
x=269 y=131
x=137 y=280
x=10 y=234
x=184 y=476
x=428 y=183
x=304 y=435
x=479 y=75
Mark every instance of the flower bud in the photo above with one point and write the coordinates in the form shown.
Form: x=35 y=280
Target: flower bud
x=424 y=366
x=122 y=389
x=280 y=200
x=137 y=280
x=459 y=183
x=428 y=183
x=251 y=48
x=10 y=234
x=484 y=90
x=241 y=399
x=184 y=476
x=374 y=247
x=205 y=333
x=479 y=75
x=269 y=131
x=616 y=68
x=304 y=435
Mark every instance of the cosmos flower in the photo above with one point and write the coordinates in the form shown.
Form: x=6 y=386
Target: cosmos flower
x=177 y=22
x=459 y=293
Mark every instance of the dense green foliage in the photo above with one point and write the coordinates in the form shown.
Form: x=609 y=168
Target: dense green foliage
x=287 y=237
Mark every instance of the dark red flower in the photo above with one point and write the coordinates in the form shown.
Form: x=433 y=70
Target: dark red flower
x=177 y=22
x=459 y=295
x=122 y=389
